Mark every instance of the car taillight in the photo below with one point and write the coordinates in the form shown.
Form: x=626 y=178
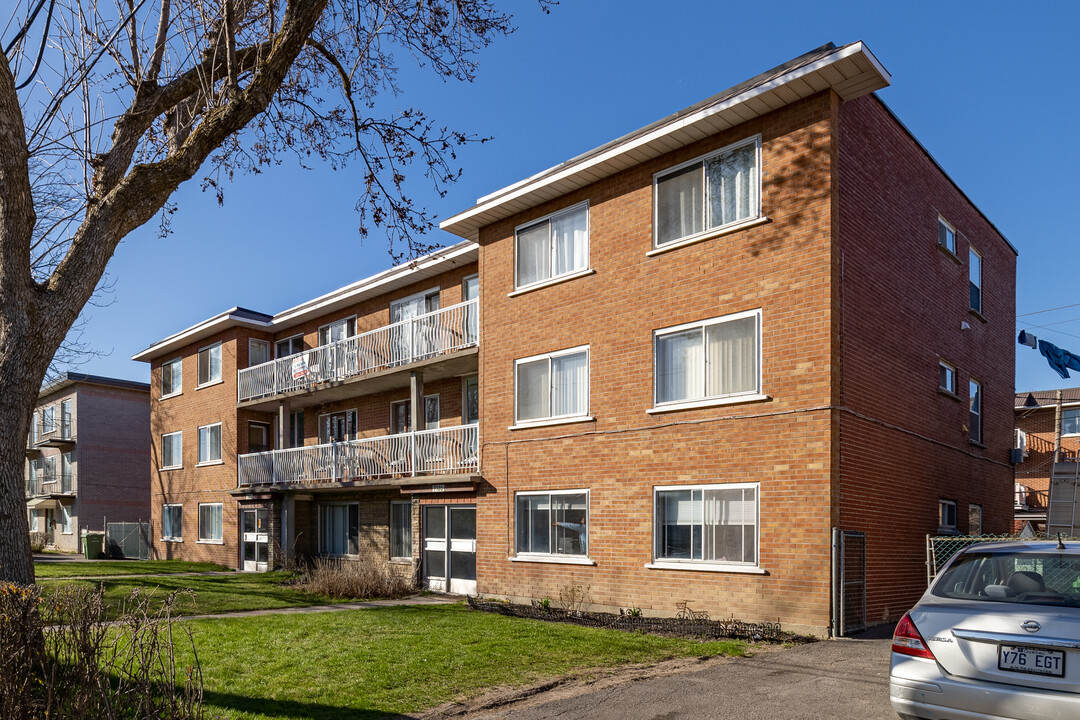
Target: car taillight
x=906 y=640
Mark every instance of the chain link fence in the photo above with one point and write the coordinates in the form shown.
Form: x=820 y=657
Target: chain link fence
x=941 y=548
x=129 y=540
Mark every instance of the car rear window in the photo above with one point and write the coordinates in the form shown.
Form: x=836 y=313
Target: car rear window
x=1034 y=579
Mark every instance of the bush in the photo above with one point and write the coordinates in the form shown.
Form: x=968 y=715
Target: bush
x=37 y=541
x=61 y=659
x=351 y=579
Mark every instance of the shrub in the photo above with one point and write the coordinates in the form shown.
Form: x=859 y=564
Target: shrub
x=351 y=579
x=37 y=541
x=61 y=659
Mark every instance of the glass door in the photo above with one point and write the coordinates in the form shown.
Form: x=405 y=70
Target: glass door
x=255 y=543
x=450 y=548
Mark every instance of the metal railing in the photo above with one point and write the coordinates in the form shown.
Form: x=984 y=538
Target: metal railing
x=61 y=429
x=446 y=450
x=55 y=483
x=419 y=338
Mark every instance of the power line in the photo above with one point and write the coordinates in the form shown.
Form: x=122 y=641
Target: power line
x=1037 y=312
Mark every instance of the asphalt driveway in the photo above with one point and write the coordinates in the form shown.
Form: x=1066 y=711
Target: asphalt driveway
x=845 y=679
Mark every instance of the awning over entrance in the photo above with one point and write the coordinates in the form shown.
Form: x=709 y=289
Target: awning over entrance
x=41 y=504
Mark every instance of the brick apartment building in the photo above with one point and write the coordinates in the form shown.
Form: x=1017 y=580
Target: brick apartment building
x=87 y=457
x=1048 y=438
x=663 y=371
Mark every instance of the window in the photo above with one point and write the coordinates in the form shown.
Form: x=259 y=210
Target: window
x=171 y=378
x=67 y=420
x=946 y=235
x=35 y=428
x=258 y=352
x=552 y=386
x=49 y=463
x=339 y=529
x=470 y=288
x=401 y=530
x=552 y=246
x=172 y=450
x=258 y=437
x=707 y=524
x=712 y=359
x=947 y=515
x=974 y=519
x=296 y=429
x=172 y=522
x=210 y=364
x=554 y=523
x=336 y=427
x=946 y=377
x=210 y=443
x=470 y=400
x=975 y=279
x=48 y=419
x=975 y=411
x=338 y=330
x=210 y=522
x=289 y=346
x=708 y=193
x=65 y=518
x=1070 y=421
x=65 y=472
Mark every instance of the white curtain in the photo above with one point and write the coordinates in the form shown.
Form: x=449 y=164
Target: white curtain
x=533 y=249
x=732 y=356
x=533 y=390
x=679 y=208
x=730 y=519
x=570 y=384
x=733 y=186
x=679 y=366
x=571 y=237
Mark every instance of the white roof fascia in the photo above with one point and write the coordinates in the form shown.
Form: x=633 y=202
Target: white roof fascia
x=207 y=327
x=540 y=180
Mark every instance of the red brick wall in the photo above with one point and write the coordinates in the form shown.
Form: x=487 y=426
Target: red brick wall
x=902 y=302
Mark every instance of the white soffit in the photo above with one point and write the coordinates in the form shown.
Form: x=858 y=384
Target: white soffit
x=851 y=71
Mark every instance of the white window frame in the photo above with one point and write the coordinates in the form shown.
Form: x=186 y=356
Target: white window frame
x=708 y=232
x=253 y=342
x=943 y=526
x=220 y=540
x=1075 y=412
x=179 y=363
x=950 y=236
x=552 y=278
x=709 y=565
x=977 y=282
x=290 y=341
x=559 y=558
x=350 y=330
x=393 y=526
x=465 y=284
x=951 y=375
x=356 y=425
x=172 y=538
x=198 y=365
x=975 y=390
x=319 y=544
x=465 y=381
x=709 y=400
x=585 y=415
x=64 y=513
x=211 y=461
x=180 y=452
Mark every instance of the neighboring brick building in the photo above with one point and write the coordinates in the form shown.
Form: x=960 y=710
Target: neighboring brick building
x=1048 y=432
x=700 y=349
x=88 y=457
x=769 y=312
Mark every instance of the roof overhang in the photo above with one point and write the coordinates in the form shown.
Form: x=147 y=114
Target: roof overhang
x=396 y=277
x=42 y=503
x=851 y=71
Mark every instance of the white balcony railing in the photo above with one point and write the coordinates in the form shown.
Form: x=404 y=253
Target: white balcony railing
x=419 y=338
x=446 y=450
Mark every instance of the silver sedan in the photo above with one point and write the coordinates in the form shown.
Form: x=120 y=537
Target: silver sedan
x=997 y=635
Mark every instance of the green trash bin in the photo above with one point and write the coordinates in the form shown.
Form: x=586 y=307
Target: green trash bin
x=92 y=545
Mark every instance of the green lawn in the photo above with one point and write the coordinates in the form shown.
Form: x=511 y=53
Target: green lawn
x=111 y=568
x=213 y=594
x=379 y=663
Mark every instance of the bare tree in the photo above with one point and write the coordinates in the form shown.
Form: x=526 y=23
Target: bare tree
x=106 y=108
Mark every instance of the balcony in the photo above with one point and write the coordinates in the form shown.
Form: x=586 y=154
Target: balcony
x=1028 y=500
x=446 y=451
x=425 y=337
x=57 y=433
x=46 y=484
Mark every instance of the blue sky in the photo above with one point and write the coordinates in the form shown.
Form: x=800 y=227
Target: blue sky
x=987 y=87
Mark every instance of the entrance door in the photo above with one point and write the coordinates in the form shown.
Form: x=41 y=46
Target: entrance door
x=255 y=543
x=49 y=527
x=450 y=548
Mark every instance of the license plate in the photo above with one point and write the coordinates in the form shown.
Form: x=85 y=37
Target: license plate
x=1032 y=660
